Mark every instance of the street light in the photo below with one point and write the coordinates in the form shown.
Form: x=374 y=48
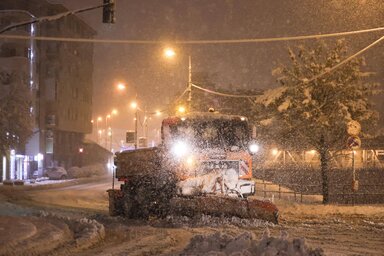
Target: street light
x=114 y=112
x=106 y=129
x=169 y=53
x=121 y=86
x=181 y=109
x=134 y=106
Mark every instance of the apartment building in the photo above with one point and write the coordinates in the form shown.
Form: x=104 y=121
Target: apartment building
x=60 y=79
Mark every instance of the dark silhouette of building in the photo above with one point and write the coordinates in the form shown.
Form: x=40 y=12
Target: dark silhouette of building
x=60 y=78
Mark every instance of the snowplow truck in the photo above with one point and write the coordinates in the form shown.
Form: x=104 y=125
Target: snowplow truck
x=202 y=166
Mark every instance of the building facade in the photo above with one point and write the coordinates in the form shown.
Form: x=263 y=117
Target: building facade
x=60 y=77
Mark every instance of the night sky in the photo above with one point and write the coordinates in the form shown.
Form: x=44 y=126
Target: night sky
x=155 y=79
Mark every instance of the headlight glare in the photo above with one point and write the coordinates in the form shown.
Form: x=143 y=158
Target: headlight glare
x=180 y=149
x=254 y=148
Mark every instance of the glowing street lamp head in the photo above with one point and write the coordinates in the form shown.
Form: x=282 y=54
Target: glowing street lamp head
x=114 y=112
x=158 y=112
x=181 y=109
x=121 y=86
x=99 y=119
x=108 y=116
x=134 y=105
x=169 y=53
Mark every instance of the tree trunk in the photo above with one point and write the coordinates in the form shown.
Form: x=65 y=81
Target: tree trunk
x=324 y=160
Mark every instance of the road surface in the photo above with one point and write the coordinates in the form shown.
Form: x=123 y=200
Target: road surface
x=72 y=218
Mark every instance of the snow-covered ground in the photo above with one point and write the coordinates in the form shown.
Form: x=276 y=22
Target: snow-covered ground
x=72 y=218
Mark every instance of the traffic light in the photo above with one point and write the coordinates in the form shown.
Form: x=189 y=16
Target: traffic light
x=109 y=11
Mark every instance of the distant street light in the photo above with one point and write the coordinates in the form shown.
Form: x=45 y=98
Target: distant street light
x=121 y=86
x=169 y=53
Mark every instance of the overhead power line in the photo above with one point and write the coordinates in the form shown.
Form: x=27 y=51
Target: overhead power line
x=224 y=41
x=167 y=108
x=346 y=60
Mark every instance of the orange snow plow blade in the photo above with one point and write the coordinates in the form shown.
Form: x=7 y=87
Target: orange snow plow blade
x=224 y=205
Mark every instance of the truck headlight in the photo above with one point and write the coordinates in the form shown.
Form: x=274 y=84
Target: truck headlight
x=180 y=149
x=254 y=148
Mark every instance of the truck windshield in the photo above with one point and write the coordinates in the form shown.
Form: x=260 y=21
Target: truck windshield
x=213 y=133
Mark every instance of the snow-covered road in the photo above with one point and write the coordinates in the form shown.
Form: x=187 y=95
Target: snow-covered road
x=72 y=219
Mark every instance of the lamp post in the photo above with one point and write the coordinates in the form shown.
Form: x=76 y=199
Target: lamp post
x=189 y=83
x=107 y=130
x=169 y=53
x=122 y=87
x=113 y=113
x=134 y=105
x=99 y=119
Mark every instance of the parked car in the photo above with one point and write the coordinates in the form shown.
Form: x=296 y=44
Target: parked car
x=56 y=173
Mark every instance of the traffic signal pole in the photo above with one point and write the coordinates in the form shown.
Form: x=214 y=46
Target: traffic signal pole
x=108 y=10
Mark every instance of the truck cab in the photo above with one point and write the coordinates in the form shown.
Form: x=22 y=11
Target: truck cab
x=211 y=152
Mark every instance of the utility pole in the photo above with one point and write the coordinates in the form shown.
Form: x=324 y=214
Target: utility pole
x=189 y=84
x=145 y=123
x=136 y=122
x=110 y=139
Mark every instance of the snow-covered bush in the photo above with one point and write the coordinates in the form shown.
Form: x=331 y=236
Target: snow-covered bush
x=245 y=244
x=87 y=171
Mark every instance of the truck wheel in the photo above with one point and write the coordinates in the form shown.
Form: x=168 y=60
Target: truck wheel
x=128 y=207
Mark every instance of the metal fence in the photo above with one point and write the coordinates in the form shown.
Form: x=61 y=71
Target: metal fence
x=268 y=190
x=343 y=194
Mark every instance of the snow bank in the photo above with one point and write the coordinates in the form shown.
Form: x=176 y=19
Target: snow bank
x=213 y=221
x=39 y=235
x=86 y=232
x=245 y=244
